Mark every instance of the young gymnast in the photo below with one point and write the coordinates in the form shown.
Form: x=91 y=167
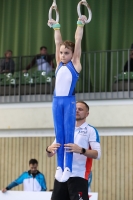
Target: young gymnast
x=64 y=104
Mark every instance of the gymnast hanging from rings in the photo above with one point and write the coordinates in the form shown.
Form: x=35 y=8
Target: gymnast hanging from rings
x=64 y=104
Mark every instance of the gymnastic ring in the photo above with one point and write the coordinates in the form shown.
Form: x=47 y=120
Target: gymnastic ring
x=54 y=7
x=84 y=2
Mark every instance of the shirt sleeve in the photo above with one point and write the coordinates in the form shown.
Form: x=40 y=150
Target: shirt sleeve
x=44 y=187
x=94 y=135
x=96 y=146
x=12 y=66
x=16 y=182
x=33 y=62
x=94 y=141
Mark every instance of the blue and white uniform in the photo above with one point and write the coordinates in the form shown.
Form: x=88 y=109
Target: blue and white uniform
x=35 y=182
x=64 y=110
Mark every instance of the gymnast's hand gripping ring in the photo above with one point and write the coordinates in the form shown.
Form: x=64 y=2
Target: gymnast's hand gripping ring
x=84 y=2
x=54 y=7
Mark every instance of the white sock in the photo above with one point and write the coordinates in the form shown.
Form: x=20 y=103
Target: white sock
x=66 y=175
x=58 y=174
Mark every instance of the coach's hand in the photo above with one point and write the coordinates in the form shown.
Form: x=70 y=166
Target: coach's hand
x=52 y=148
x=72 y=148
x=4 y=190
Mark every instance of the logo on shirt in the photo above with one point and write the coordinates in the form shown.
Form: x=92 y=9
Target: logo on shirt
x=80 y=196
x=83 y=131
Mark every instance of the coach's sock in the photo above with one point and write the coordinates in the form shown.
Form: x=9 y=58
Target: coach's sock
x=66 y=175
x=58 y=174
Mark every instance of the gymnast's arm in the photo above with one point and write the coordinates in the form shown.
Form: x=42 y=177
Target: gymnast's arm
x=77 y=51
x=58 y=41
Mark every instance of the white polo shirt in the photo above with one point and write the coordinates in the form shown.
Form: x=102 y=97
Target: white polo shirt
x=86 y=137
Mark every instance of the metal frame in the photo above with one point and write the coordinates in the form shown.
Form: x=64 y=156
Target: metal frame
x=84 y=2
x=54 y=7
x=94 y=83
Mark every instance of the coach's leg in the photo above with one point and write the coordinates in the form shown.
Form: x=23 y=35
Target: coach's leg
x=78 y=188
x=60 y=191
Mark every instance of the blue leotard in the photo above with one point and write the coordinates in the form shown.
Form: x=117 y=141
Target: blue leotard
x=64 y=110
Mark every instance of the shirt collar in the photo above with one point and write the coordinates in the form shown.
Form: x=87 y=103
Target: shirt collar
x=84 y=125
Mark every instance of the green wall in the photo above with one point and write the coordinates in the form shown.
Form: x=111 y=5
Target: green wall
x=24 y=25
